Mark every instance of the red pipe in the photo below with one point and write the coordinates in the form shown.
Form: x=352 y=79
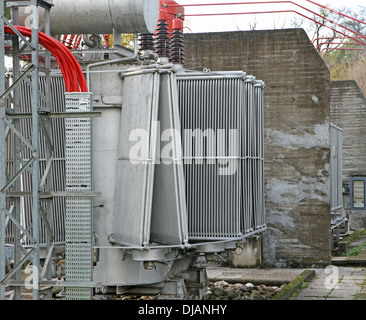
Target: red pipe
x=340 y=13
x=327 y=38
x=282 y=11
x=235 y=3
x=276 y=2
x=344 y=43
x=360 y=49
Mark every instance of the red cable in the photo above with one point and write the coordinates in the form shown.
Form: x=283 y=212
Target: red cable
x=70 y=68
x=63 y=63
x=61 y=53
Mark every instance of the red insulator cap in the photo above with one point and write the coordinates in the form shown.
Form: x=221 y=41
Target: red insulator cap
x=163 y=15
x=177 y=24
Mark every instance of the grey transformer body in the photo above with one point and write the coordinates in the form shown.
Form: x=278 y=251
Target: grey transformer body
x=156 y=220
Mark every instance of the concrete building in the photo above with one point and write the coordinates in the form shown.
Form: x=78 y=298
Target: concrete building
x=348 y=111
x=297 y=140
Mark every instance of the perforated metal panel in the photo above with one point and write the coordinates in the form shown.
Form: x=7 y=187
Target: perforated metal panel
x=78 y=224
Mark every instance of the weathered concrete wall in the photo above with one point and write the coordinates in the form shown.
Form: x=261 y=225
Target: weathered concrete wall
x=251 y=255
x=348 y=111
x=296 y=134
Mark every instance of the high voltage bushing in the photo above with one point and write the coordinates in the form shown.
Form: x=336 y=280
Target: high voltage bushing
x=162 y=46
x=177 y=47
x=146 y=41
x=177 y=43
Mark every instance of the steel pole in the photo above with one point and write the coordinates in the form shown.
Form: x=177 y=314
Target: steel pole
x=35 y=143
x=2 y=154
x=16 y=150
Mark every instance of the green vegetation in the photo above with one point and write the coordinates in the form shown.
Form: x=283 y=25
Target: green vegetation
x=7 y=12
x=305 y=284
x=293 y=287
x=339 y=40
x=355 y=251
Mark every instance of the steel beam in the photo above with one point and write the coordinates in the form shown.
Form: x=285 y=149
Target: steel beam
x=2 y=154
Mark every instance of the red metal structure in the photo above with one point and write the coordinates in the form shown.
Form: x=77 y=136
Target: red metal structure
x=345 y=49
x=355 y=38
x=337 y=43
x=174 y=10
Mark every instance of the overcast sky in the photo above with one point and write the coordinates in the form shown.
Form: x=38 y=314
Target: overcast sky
x=259 y=21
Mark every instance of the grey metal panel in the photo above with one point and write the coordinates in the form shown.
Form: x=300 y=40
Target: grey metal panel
x=133 y=200
x=153 y=207
x=168 y=223
x=79 y=211
x=336 y=200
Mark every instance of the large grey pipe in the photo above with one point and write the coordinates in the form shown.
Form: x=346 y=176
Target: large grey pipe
x=99 y=16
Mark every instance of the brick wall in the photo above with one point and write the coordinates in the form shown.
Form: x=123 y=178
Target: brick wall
x=296 y=134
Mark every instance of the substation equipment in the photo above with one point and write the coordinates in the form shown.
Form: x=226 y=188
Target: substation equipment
x=120 y=178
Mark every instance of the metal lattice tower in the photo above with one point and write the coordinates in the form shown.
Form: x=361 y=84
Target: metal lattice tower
x=20 y=155
x=10 y=179
x=13 y=168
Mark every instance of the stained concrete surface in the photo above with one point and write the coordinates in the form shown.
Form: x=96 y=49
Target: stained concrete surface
x=330 y=283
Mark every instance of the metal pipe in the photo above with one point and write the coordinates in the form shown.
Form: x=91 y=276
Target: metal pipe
x=273 y=2
x=99 y=16
x=344 y=43
x=103 y=63
x=327 y=38
x=241 y=3
x=16 y=154
x=340 y=13
x=2 y=157
x=35 y=143
x=279 y=2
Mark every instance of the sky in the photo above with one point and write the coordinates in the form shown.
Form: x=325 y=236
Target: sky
x=255 y=21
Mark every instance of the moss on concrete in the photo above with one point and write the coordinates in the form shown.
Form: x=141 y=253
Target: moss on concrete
x=294 y=285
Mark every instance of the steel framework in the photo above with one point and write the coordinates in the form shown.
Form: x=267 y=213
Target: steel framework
x=20 y=157
x=13 y=166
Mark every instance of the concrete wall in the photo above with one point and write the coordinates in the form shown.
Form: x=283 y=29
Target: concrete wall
x=296 y=134
x=348 y=111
